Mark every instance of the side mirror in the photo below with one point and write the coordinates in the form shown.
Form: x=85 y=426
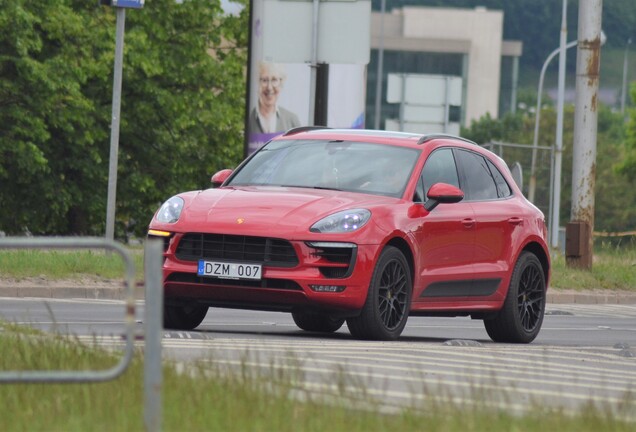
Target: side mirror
x=220 y=177
x=442 y=193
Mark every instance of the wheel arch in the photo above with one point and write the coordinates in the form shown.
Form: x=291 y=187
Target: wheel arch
x=537 y=250
x=403 y=247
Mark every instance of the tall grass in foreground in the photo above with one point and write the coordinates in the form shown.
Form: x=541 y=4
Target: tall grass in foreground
x=208 y=399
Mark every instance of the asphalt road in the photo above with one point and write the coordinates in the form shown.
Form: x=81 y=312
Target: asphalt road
x=584 y=353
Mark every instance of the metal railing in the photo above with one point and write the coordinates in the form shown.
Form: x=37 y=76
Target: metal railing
x=153 y=322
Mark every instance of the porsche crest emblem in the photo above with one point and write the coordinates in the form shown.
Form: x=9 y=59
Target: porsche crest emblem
x=240 y=221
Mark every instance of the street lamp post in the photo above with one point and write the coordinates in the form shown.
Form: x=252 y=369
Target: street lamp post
x=624 y=90
x=558 y=144
x=537 y=117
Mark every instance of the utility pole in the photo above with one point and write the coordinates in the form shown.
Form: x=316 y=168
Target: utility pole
x=120 y=11
x=114 y=128
x=579 y=241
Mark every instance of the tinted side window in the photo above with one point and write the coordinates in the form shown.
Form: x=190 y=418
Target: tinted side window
x=503 y=189
x=478 y=182
x=440 y=168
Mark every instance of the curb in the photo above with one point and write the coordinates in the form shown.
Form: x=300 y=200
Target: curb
x=62 y=292
x=119 y=293
x=591 y=297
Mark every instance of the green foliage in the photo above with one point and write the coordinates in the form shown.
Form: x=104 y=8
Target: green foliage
x=628 y=165
x=181 y=114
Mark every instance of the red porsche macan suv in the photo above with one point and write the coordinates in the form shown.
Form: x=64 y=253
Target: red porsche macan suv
x=361 y=226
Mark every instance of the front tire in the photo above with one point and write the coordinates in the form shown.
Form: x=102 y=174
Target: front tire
x=317 y=322
x=521 y=316
x=183 y=317
x=388 y=303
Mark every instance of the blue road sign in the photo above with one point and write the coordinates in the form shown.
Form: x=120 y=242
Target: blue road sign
x=135 y=4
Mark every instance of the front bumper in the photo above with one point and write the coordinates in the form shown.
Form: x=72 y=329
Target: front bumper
x=319 y=281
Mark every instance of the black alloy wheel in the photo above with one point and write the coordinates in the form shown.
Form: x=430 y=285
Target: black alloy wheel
x=183 y=317
x=386 y=309
x=317 y=322
x=521 y=316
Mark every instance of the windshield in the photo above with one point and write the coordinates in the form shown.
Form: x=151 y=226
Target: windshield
x=349 y=166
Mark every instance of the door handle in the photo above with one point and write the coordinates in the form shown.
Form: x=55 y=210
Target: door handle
x=468 y=222
x=515 y=221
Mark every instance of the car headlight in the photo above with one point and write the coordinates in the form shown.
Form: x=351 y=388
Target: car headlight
x=170 y=210
x=341 y=222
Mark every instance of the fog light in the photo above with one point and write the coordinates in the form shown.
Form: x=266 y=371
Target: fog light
x=327 y=288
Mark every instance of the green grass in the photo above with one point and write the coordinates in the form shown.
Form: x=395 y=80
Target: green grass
x=66 y=264
x=614 y=266
x=207 y=398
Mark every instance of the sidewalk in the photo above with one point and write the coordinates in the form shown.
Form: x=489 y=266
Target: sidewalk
x=67 y=289
x=113 y=290
x=591 y=296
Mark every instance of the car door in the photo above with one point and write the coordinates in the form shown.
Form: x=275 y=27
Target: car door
x=445 y=236
x=497 y=216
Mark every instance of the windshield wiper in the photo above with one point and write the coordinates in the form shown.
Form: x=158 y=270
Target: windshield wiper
x=325 y=188
x=310 y=187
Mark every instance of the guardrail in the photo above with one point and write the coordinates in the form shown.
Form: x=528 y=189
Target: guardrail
x=153 y=322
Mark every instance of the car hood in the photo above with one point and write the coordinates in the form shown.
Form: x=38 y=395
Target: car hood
x=255 y=210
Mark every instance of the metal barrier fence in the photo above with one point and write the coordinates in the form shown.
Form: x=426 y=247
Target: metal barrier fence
x=153 y=322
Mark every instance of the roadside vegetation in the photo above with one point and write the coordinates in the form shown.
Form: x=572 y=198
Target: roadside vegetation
x=614 y=267
x=66 y=264
x=208 y=398
x=183 y=109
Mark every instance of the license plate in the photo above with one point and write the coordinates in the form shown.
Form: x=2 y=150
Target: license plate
x=227 y=270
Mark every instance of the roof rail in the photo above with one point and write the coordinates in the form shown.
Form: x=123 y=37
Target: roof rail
x=429 y=137
x=294 y=131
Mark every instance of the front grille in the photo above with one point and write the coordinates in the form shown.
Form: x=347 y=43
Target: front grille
x=269 y=251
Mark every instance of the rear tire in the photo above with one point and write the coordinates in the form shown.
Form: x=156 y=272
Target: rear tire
x=388 y=303
x=317 y=322
x=521 y=316
x=183 y=317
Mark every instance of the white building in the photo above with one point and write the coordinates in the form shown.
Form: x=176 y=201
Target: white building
x=460 y=42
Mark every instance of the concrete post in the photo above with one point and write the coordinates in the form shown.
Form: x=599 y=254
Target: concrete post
x=585 y=130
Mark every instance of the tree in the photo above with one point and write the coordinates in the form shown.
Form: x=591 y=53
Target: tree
x=46 y=120
x=185 y=74
x=181 y=118
x=628 y=166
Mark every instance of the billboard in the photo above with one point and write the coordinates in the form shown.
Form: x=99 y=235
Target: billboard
x=280 y=67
